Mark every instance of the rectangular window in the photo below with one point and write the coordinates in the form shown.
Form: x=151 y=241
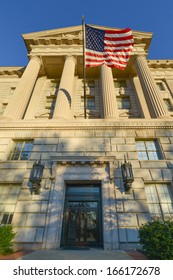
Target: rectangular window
x=160 y=200
x=148 y=150
x=123 y=102
x=21 y=150
x=50 y=104
x=120 y=83
x=8 y=198
x=90 y=84
x=161 y=86
x=7 y=219
x=168 y=105
x=90 y=102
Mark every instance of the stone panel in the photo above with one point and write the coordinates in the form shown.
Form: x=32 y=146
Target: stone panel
x=144 y=218
x=167 y=147
x=130 y=141
x=25 y=194
x=132 y=235
x=122 y=235
x=22 y=206
x=168 y=155
x=138 y=183
x=156 y=174
x=164 y=140
x=19 y=219
x=127 y=220
x=139 y=194
x=164 y=133
x=142 y=173
x=153 y=164
x=167 y=174
x=135 y=206
x=126 y=148
x=132 y=155
x=39 y=235
x=25 y=235
x=36 y=220
x=119 y=206
x=105 y=133
x=118 y=140
x=145 y=133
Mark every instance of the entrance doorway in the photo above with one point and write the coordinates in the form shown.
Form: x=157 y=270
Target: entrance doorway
x=82 y=216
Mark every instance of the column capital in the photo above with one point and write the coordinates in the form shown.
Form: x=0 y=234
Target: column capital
x=70 y=57
x=37 y=58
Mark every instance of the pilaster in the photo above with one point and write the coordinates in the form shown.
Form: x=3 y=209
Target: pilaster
x=140 y=96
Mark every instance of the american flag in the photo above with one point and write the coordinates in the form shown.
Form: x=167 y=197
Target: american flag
x=110 y=47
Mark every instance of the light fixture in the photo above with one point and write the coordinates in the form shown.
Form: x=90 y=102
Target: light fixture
x=36 y=176
x=127 y=174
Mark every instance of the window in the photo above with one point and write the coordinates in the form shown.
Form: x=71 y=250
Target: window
x=160 y=200
x=90 y=84
x=50 y=104
x=8 y=198
x=168 y=105
x=90 y=102
x=6 y=218
x=123 y=102
x=148 y=150
x=3 y=107
x=21 y=150
x=160 y=86
x=120 y=83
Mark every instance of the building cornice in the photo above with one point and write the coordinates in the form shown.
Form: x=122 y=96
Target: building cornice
x=160 y=64
x=87 y=124
x=11 y=71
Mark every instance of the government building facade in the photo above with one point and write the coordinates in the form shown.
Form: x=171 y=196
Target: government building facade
x=61 y=172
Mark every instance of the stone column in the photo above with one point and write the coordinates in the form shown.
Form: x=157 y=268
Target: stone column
x=110 y=108
x=148 y=84
x=65 y=92
x=19 y=101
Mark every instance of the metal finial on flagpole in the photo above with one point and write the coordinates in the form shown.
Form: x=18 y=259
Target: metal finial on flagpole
x=84 y=70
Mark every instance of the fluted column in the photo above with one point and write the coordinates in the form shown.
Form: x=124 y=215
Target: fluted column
x=19 y=101
x=153 y=98
x=65 y=92
x=110 y=108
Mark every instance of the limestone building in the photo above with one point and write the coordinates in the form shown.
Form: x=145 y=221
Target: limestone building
x=82 y=201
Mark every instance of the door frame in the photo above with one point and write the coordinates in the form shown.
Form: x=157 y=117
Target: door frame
x=89 y=197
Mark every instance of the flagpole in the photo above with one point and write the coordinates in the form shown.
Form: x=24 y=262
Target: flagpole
x=84 y=69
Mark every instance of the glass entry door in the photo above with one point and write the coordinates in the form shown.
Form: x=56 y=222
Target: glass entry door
x=82 y=217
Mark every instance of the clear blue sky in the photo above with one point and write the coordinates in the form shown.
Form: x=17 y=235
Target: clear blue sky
x=19 y=17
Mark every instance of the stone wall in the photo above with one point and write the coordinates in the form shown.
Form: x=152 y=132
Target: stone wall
x=38 y=218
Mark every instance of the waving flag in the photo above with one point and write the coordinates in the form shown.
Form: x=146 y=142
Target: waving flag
x=110 y=47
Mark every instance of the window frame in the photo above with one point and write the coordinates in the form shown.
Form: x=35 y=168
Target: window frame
x=159 y=202
x=10 y=195
x=121 y=99
x=17 y=153
x=88 y=98
x=168 y=104
x=146 y=154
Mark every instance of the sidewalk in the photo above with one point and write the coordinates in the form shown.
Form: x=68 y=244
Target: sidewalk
x=90 y=254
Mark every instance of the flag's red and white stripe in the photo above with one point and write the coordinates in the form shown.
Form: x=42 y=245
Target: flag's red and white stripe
x=118 y=46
